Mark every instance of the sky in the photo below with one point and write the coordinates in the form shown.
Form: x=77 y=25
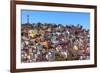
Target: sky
x=64 y=18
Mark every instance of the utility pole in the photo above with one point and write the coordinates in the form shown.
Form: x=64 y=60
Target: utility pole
x=27 y=19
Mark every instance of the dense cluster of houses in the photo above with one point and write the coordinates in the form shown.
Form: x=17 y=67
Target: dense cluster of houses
x=43 y=42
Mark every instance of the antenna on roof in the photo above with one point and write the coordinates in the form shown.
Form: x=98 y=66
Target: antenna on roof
x=27 y=19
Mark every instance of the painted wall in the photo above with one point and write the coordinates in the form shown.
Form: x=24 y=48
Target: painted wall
x=5 y=36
